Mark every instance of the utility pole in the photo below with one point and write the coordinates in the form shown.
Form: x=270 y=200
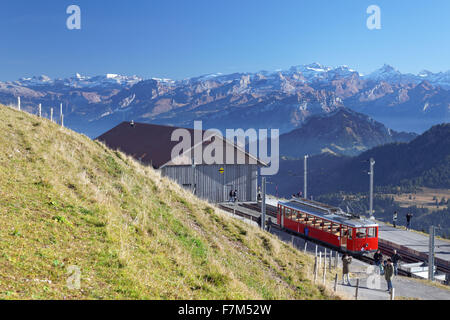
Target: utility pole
x=263 y=203
x=372 y=163
x=305 y=183
x=431 y=254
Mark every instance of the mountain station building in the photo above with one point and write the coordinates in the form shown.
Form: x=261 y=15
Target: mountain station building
x=152 y=145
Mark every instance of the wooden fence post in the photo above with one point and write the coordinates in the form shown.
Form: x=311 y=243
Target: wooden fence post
x=329 y=261
x=320 y=259
x=336 y=261
x=18 y=103
x=324 y=270
x=315 y=269
x=306 y=245
x=51 y=114
x=335 y=282
x=40 y=110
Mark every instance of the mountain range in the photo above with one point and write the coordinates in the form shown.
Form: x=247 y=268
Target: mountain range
x=280 y=99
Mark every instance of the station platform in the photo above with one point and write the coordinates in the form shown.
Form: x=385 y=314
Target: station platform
x=248 y=210
x=414 y=243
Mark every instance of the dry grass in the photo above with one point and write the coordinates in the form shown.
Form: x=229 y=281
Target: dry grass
x=66 y=200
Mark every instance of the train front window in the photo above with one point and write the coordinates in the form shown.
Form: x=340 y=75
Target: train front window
x=371 y=232
x=361 y=233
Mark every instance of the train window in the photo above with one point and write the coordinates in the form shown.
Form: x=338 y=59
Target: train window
x=318 y=222
x=371 y=232
x=290 y=214
x=293 y=214
x=361 y=233
x=347 y=232
x=334 y=228
x=327 y=226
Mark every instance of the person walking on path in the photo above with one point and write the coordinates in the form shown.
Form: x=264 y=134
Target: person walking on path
x=388 y=274
x=394 y=219
x=408 y=220
x=346 y=261
x=395 y=259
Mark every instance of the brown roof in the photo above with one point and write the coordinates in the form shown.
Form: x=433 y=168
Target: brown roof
x=151 y=144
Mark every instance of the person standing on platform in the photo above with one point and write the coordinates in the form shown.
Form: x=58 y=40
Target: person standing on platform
x=388 y=274
x=408 y=220
x=378 y=258
x=258 y=221
x=269 y=225
x=395 y=259
x=394 y=219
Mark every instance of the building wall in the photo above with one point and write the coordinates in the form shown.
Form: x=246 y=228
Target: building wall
x=213 y=186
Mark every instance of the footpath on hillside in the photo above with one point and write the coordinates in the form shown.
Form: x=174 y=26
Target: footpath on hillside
x=405 y=288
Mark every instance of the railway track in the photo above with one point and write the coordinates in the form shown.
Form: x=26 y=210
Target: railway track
x=270 y=210
x=409 y=258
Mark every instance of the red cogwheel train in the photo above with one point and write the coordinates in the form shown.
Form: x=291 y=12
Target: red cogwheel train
x=330 y=225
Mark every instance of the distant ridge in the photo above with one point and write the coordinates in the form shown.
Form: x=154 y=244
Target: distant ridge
x=343 y=131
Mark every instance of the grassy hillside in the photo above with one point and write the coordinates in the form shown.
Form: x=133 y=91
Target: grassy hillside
x=68 y=201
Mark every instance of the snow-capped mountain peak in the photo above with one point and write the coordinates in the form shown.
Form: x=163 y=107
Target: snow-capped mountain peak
x=81 y=81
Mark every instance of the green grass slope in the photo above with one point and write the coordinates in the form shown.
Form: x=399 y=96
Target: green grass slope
x=66 y=200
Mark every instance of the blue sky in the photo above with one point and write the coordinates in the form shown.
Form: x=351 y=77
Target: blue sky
x=183 y=38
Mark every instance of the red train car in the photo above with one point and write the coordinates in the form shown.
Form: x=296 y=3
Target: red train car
x=329 y=225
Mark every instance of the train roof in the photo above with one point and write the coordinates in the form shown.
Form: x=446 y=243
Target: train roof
x=327 y=212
